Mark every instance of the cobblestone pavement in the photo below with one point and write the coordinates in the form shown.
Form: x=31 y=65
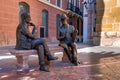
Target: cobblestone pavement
x=99 y=63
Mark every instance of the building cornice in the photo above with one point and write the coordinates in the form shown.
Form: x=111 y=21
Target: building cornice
x=49 y=4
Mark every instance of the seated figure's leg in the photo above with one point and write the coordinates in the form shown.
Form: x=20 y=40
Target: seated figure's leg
x=41 y=41
x=74 y=53
x=40 y=51
x=66 y=49
x=74 y=49
x=37 y=41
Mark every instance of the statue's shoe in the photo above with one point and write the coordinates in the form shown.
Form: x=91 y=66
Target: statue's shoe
x=52 y=58
x=44 y=68
x=76 y=63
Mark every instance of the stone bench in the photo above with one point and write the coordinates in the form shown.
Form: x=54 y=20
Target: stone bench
x=22 y=57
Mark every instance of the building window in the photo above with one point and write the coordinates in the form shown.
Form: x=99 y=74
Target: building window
x=59 y=3
x=45 y=21
x=48 y=0
x=79 y=4
x=23 y=7
x=74 y=2
x=57 y=23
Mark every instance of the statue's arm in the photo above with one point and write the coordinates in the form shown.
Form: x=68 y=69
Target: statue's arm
x=74 y=33
x=60 y=35
x=27 y=33
x=34 y=28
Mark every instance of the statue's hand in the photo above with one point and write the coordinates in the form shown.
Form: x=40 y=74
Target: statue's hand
x=63 y=36
x=34 y=28
x=31 y=24
x=76 y=31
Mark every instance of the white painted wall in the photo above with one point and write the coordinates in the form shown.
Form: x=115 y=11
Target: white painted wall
x=85 y=24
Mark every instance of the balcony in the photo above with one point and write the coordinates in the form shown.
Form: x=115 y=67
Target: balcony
x=73 y=8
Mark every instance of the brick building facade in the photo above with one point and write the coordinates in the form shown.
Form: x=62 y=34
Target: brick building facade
x=97 y=21
x=44 y=13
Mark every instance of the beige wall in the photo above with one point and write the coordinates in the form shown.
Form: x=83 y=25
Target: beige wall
x=108 y=15
x=108 y=21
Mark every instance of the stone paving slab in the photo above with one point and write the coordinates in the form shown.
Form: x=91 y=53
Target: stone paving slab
x=64 y=73
x=98 y=64
x=106 y=69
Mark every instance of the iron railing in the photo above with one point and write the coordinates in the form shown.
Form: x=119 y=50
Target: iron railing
x=73 y=8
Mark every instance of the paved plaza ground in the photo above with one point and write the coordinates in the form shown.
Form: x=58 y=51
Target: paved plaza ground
x=97 y=63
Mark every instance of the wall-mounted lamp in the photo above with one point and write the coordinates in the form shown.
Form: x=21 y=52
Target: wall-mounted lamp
x=85 y=3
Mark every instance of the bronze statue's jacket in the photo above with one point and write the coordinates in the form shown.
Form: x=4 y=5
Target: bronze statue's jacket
x=23 y=38
x=67 y=34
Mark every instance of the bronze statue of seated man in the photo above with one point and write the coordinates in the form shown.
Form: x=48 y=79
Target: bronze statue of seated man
x=27 y=41
x=66 y=35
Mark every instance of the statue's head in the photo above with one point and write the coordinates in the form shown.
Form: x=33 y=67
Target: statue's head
x=64 y=19
x=25 y=17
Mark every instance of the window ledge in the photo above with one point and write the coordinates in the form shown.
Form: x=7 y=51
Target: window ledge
x=54 y=6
